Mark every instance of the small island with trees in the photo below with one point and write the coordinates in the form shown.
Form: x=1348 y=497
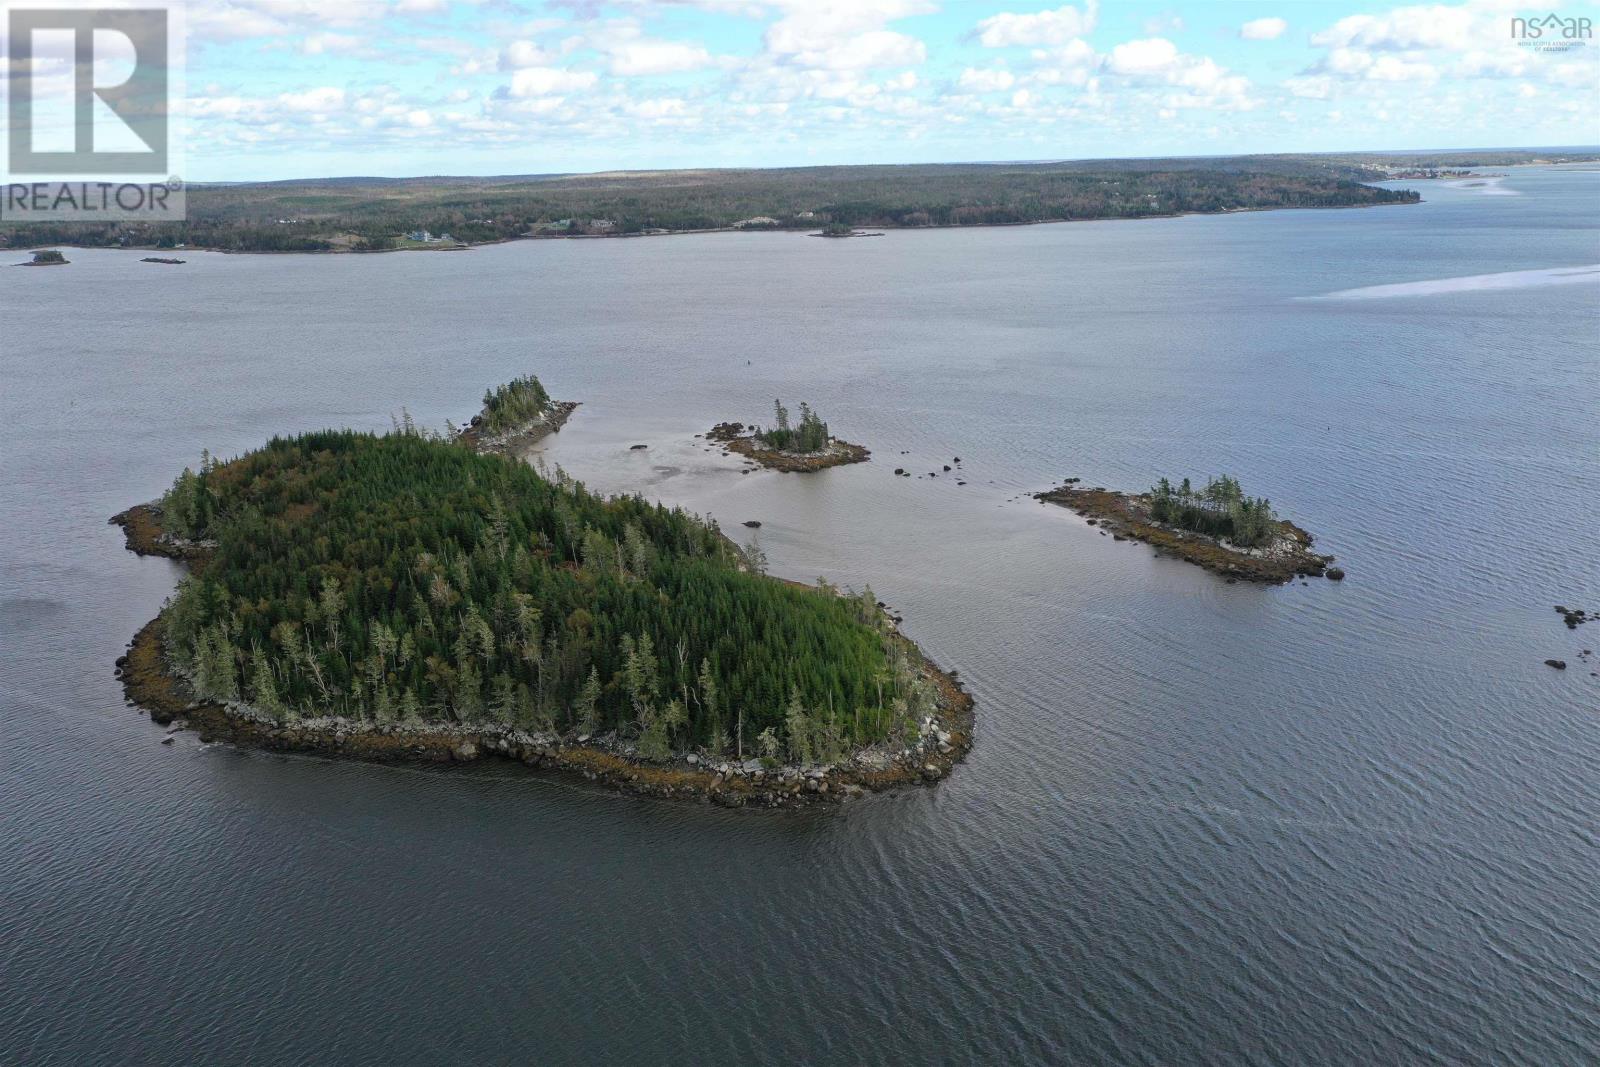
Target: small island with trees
x=514 y=416
x=785 y=446
x=1216 y=527
x=410 y=596
x=46 y=258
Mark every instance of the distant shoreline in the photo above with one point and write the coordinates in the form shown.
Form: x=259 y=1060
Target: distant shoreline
x=796 y=232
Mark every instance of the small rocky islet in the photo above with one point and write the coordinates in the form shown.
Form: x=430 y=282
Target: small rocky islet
x=1215 y=527
x=797 y=448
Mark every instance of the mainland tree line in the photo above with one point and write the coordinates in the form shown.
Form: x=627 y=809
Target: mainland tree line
x=368 y=214
x=404 y=578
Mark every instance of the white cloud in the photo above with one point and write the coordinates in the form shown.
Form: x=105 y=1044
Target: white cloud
x=324 y=99
x=1149 y=56
x=1310 y=86
x=975 y=80
x=1267 y=29
x=879 y=48
x=820 y=25
x=1071 y=64
x=658 y=109
x=1404 y=28
x=1041 y=28
x=844 y=35
x=1202 y=81
x=520 y=54
x=319 y=43
x=644 y=57
x=547 y=81
x=1396 y=69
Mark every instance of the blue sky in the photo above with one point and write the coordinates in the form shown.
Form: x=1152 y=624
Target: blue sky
x=297 y=88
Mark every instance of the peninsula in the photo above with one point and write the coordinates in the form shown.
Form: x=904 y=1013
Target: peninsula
x=806 y=446
x=1216 y=527
x=410 y=597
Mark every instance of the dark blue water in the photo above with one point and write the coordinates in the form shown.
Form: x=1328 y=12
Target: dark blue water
x=1332 y=823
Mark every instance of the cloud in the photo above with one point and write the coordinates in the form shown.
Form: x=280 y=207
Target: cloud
x=1142 y=57
x=975 y=80
x=519 y=54
x=845 y=36
x=1199 y=80
x=319 y=43
x=1267 y=29
x=548 y=81
x=1071 y=64
x=661 y=108
x=325 y=99
x=1310 y=86
x=1403 y=29
x=879 y=48
x=817 y=26
x=643 y=57
x=1059 y=26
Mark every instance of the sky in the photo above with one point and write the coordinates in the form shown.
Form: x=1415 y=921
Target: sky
x=304 y=88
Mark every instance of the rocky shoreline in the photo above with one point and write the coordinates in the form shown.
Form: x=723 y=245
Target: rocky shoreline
x=474 y=435
x=150 y=682
x=736 y=437
x=1126 y=516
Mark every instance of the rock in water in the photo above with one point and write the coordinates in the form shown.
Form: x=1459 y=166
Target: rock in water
x=1558 y=664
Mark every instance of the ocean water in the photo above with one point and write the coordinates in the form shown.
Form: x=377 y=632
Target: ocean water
x=1322 y=823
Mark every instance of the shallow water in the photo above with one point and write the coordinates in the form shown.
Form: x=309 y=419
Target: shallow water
x=1323 y=823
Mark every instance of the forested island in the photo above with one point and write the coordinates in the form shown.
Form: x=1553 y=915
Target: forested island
x=803 y=446
x=392 y=214
x=47 y=258
x=408 y=596
x=1216 y=526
